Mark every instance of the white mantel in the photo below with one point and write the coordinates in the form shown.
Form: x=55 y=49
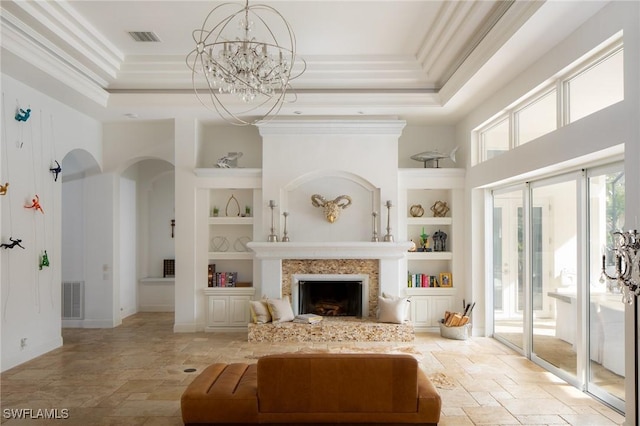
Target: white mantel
x=330 y=250
x=391 y=256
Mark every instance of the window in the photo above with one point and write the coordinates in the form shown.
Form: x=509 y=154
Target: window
x=586 y=90
x=495 y=140
x=537 y=118
x=597 y=87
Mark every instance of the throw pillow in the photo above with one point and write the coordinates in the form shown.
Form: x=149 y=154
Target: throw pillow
x=393 y=310
x=392 y=297
x=259 y=312
x=280 y=310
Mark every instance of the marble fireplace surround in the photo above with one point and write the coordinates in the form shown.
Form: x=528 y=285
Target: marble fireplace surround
x=280 y=264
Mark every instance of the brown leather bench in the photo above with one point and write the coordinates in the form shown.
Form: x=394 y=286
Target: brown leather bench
x=313 y=389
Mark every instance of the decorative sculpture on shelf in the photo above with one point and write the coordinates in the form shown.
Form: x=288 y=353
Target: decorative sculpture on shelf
x=226 y=209
x=13 y=243
x=416 y=210
x=56 y=171
x=424 y=241
x=439 y=241
x=22 y=115
x=35 y=204
x=4 y=188
x=627 y=265
x=440 y=209
x=229 y=161
x=331 y=208
x=434 y=157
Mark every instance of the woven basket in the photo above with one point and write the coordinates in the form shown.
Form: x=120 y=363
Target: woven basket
x=457 y=333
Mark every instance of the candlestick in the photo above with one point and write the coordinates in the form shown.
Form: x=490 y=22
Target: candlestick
x=272 y=238
x=285 y=237
x=388 y=237
x=374 y=237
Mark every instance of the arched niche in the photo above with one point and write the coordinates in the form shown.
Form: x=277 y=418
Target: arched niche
x=308 y=223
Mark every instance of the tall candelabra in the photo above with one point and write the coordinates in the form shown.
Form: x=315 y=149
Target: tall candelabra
x=627 y=264
x=272 y=238
x=374 y=237
x=388 y=237
x=285 y=236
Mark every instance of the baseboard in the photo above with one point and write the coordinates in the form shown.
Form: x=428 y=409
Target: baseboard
x=156 y=308
x=186 y=328
x=30 y=353
x=88 y=323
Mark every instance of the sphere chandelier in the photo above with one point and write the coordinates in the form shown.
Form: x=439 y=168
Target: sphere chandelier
x=246 y=81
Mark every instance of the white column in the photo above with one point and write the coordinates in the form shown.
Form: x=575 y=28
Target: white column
x=189 y=304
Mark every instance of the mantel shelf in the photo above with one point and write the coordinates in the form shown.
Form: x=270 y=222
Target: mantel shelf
x=330 y=250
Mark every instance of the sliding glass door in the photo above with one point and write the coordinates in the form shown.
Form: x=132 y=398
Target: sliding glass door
x=606 y=312
x=550 y=300
x=554 y=291
x=508 y=265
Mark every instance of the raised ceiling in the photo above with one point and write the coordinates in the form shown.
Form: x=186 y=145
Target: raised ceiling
x=419 y=60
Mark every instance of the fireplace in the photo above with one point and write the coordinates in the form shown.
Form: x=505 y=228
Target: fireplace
x=330 y=298
x=331 y=292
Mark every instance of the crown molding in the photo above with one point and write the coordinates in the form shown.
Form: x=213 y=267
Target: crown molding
x=320 y=126
x=74 y=35
x=37 y=51
x=512 y=19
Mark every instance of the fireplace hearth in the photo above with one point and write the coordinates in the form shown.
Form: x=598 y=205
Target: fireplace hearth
x=330 y=298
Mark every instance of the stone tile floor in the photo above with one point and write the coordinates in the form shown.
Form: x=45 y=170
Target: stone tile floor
x=134 y=375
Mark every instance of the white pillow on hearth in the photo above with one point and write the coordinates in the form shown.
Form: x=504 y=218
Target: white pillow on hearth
x=280 y=309
x=393 y=309
x=259 y=311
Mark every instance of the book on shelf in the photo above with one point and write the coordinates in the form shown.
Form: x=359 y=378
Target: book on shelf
x=307 y=319
x=222 y=279
x=211 y=275
x=422 y=281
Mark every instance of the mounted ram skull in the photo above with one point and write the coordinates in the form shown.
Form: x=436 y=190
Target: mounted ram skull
x=331 y=208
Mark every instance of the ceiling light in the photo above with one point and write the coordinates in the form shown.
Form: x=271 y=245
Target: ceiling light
x=243 y=79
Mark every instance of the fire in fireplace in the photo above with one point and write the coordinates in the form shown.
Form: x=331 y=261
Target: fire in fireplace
x=330 y=298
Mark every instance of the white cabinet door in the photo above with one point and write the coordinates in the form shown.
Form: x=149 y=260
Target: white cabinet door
x=420 y=311
x=238 y=310
x=428 y=309
x=218 y=312
x=439 y=304
x=228 y=308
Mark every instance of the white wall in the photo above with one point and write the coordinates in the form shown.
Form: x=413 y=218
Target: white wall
x=161 y=246
x=31 y=302
x=416 y=139
x=128 y=246
x=217 y=141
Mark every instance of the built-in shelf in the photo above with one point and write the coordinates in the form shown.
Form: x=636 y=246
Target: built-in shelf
x=231 y=220
x=231 y=255
x=429 y=221
x=434 y=291
x=236 y=172
x=430 y=255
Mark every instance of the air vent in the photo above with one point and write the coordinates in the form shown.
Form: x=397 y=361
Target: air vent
x=144 y=36
x=73 y=300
